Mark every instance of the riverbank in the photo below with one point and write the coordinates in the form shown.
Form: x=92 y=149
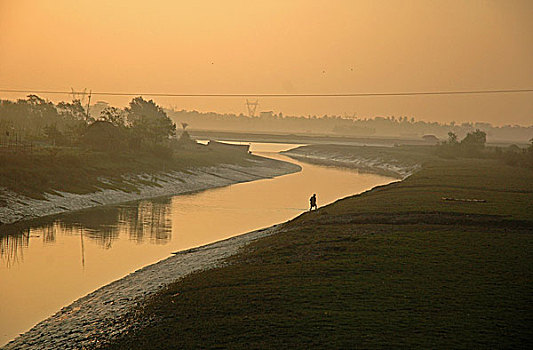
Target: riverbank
x=398 y=162
x=397 y=266
x=16 y=207
x=102 y=315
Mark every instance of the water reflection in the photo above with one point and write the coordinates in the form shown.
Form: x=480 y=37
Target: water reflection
x=148 y=220
x=12 y=248
x=141 y=222
x=49 y=233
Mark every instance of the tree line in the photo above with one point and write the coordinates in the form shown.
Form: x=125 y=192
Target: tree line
x=473 y=145
x=395 y=126
x=141 y=125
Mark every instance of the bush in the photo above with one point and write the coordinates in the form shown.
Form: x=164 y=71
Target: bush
x=516 y=156
x=471 y=146
x=162 y=151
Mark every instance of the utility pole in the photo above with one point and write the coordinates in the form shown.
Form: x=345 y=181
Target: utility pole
x=89 y=103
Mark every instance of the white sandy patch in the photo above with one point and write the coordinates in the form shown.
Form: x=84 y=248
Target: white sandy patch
x=389 y=167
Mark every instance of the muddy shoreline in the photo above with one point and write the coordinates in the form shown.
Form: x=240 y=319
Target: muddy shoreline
x=363 y=165
x=108 y=312
x=17 y=208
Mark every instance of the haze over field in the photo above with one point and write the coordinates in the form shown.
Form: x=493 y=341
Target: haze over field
x=297 y=46
x=266 y=174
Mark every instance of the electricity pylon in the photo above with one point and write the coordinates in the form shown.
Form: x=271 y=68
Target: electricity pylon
x=252 y=107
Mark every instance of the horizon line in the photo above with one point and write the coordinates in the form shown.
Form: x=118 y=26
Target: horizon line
x=274 y=95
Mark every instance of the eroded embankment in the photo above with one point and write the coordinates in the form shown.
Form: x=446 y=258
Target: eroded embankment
x=381 y=163
x=16 y=207
x=109 y=311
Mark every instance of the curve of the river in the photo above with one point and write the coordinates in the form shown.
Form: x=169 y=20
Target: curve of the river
x=50 y=265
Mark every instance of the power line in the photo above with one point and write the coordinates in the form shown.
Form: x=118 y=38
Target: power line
x=363 y=94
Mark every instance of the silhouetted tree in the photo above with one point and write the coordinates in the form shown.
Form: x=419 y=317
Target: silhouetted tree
x=113 y=115
x=516 y=156
x=148 y=121
x=40 y=112
x=53 y=134
x=104 y=136
x=73 y=110
x=452 y=138
x=477 y=138
x=470 y=146
x=473 y=143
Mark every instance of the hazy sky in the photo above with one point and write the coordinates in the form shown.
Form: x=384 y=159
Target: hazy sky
x=285 y=46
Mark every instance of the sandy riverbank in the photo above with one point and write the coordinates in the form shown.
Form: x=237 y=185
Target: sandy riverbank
x=17 y=208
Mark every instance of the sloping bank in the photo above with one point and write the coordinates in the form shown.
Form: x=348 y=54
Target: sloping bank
x=398 y=162
x=16 y=207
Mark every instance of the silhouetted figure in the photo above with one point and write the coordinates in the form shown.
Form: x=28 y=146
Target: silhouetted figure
x=312 y=201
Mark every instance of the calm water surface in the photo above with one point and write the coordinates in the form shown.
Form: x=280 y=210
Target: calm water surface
x=49 y=263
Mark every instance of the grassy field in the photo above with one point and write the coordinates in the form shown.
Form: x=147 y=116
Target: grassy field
x=395 y=267
x=82 y=171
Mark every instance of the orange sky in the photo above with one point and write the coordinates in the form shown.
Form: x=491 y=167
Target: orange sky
x=279 y=46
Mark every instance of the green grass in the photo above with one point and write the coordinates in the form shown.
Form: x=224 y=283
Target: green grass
x=395 y=267
x=508 y=191
x=81 y=171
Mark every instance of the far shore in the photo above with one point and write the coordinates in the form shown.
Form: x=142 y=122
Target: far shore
x=18 y=208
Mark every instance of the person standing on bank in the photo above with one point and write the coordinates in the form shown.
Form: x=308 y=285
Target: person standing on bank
x=312 y=201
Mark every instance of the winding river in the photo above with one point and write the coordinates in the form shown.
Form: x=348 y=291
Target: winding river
x=49 y=263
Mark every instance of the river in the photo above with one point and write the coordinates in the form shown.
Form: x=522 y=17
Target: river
x=48 y=263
